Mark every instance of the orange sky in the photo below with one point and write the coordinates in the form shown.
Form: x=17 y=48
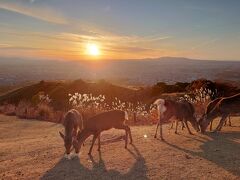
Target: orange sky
x=121 y=30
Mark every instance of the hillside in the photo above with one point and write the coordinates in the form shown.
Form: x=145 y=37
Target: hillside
x=133 y=72
x=58 y=91
x=183 y=156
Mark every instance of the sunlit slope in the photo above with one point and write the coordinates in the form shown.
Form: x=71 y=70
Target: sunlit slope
x=33 y=150
x=58 y=91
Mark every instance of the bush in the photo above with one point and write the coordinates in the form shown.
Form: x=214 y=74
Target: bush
x=162 y=87
x=9 y=109
x=45 y=112
x=22 y=108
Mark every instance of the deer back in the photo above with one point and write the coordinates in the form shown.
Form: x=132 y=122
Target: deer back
x=211 y=105
x=185 y=110
x=105 y=120
x=72 y=120
x=230 y=105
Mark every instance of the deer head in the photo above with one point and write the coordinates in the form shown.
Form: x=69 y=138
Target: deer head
x=194 y=123
x=67 y=142
x=79 y=140
x=203 y=123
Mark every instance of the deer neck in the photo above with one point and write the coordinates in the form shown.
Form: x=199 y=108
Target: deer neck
x=83 y=135
x=212 y=114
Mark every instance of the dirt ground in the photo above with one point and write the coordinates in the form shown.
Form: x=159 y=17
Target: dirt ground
x=32 y=149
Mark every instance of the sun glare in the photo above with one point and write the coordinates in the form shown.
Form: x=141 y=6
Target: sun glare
x=93 y=50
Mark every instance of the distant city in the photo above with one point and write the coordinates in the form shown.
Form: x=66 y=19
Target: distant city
x=132 y=72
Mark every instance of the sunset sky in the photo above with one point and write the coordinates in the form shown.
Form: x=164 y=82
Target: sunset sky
x=120 y=29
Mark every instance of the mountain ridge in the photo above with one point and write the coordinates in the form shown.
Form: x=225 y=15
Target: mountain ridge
x=144 y=72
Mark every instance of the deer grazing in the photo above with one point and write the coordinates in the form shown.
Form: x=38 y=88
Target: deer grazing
x=223 y=108
x=72 y=122
x=211 y=106
x=101 y=122
x=183 y=111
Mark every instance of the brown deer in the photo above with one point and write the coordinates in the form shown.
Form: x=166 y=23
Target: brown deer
x=223 y=108
x=72 y=122
x=101 y=122
x=183 y=111
x=210 y=107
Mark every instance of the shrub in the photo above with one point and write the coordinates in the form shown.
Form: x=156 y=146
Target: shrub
x=9 y=109
x=162 y=87
x=200 y=99
x=45 y=112
x=90 y=105
x=22 y=109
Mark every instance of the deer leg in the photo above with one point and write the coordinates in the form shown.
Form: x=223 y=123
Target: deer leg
x=171 y=125
x=225 y=119
x=99 y=142
x=229 y=121
x=155 y=136
x=128 y=131
x=219 y=127
x=163 y=118
x=126 y=138
x=176 y=126
x=130 y=134
x=93 y=141
x=183 y=126
x=211 y=125
x=188 y=128
x=160 y=124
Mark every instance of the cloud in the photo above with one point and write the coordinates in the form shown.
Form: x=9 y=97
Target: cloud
x=111 y=38
x=4 y=45
x=67 y=43
x=205 y=44
x=40 y=13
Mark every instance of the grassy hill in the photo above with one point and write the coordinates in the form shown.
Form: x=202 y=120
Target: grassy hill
x=58 y=92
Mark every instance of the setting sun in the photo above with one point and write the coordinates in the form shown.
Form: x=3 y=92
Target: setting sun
x=93 y=49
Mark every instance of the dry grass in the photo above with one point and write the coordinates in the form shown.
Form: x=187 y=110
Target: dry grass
x=33 y=149
x=26 y=110
x=8 y=109
x=45 y=112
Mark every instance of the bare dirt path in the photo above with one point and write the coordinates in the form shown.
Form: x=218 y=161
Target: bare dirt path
x=32 y=149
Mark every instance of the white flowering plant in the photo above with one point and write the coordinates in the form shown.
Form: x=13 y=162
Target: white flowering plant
x=200 y=99
x=44 y=98
x=200 y=95
x=89 y=102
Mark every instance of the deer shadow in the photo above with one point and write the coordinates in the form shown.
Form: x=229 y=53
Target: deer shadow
x=105 y=140
x=74 y=169
x=222 y=149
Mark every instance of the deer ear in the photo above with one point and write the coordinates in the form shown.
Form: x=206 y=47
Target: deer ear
x=61 y=134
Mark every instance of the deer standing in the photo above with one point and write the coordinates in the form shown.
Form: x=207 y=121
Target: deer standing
x=183 y=111
x=223 y=108
x=72 y=122
x=101 y=122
